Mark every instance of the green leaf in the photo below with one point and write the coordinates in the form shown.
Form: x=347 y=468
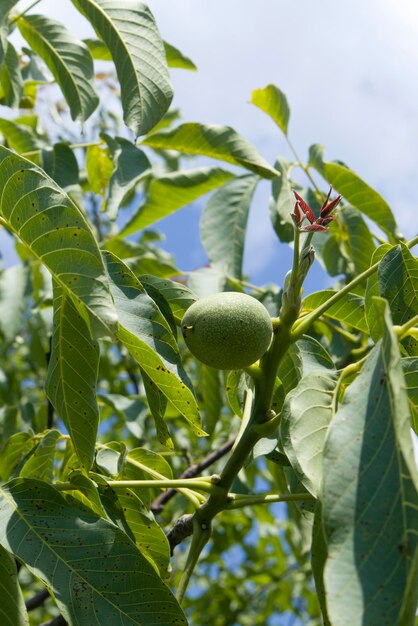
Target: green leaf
x=147 y=336
x=217 y=142
x=12 y=605
x=149 y=537
x=370 y=504
x=40 y=463
x=157 y=403
x=129 y=31
x=16 y=448
x=14 y=293
x=98 y=49
x=60 y=239
x=5 y=8
x=236 y=388
x=224 y=222
x=398 y=283
x=209 y=384
x=359 y=239
x=319 y=555
x=11 y=82
x=67 y=57
x=273 y=102
x=373 y=318
x=175 y=58
x=77 y=554
x=178 y=296
x=306 y=414
x=61 y=164
x=360 y=195
x=99 y=168
x=348 y=310
x=72 y=376
x=130 y=166
x=19 y=136
x=171 y=192
x=281 y=203
x=410 y=370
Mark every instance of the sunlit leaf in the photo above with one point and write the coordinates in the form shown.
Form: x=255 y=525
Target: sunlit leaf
x=360 y=195
x=349 y=309
x=40 y=463
x=175 y=58
x=61 y=239
x=171 y=192
x=217 y=142
x=273 y=101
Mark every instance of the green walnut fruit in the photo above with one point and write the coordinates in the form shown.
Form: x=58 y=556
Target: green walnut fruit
x=228 y=330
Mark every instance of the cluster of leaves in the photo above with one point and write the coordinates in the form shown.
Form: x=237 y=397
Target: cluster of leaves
x=88 y=321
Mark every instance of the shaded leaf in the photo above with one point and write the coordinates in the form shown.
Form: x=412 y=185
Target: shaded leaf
x=19 y=136
x=157 y=403
x=359 y=239
x=171 y=192
x=72 y=376
x=209 y=383
x=129 y=31
x=273 y=101
x=14 y=294
x=307 y=412
x=130 y=166
x=410 y=370
x=67 y=57
x=5 y=8
x=217 y=142
x=40 y=463
x=16 y=448
x=370 y=504
x=319 y=555
x=178 y=296
x=12 y=605
x=60 y=239
x=147 y=336
x=373 y=317
x=224 y=222
x=398 y=283
x=11 y=82
x=77 y=554
x=282 y=202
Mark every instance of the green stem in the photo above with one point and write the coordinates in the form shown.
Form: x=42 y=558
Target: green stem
x=246 y=415
x=241 y=501
x=403 y=330
x=166 y=484
x=195 y=498
x=302 y=166
x=302 y=325
x=17 y=17
x=73 y=146
x=201 y=535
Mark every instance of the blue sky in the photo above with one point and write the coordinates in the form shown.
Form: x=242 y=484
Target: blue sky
x=348 y=69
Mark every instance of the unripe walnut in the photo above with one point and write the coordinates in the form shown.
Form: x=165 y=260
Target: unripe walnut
x=227 y=330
